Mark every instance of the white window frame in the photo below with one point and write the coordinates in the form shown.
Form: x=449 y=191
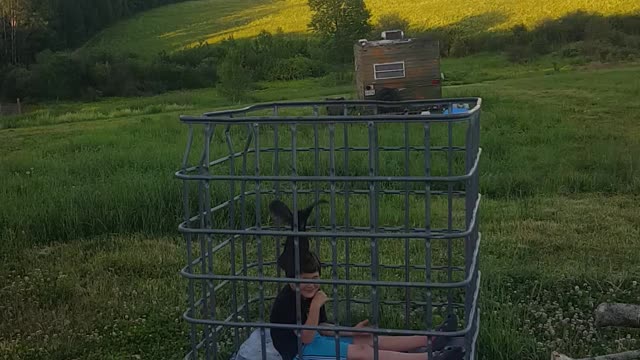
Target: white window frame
x=376 y=72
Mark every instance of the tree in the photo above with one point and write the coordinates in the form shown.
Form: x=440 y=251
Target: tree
x=340 y=23
x=236 y=79
x=20 y=23
x=391 y=22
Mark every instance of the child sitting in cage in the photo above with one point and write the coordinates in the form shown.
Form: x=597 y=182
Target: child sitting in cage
x=318 y=345
x=353 y=346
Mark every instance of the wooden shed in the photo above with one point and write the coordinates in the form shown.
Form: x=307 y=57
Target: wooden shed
x=11 y=109
x=398 y=68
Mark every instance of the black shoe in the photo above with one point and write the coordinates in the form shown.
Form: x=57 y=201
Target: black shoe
x=449 y=324
x=450 y=353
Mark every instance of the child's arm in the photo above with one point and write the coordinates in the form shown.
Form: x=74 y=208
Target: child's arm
x=314 y=317
x=330 y=332
x=325 y=322
x=361 y=324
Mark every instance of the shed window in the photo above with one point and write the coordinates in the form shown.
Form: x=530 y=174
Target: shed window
x=389 y=70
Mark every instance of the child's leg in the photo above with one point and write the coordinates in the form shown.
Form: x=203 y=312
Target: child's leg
x=393 y=343
x=366 y=352
x=407 y=343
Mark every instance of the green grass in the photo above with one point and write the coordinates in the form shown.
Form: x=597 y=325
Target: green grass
x=90 y=253
x=551 y=138
x=186 y=24
x=458 y=71
x=171 y=103
x=118 y=297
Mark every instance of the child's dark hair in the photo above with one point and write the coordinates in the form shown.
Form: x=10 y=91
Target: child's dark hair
x=310 y=263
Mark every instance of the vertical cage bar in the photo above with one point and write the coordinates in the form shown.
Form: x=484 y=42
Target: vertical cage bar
x=449 y=216
x=203 y=245
x=258 y=213
x=243 y=223
x=190 y=298
x=347 y=241
x=209 y=240
x=427 y=241
x=187 y=151
x=187 y=215
x=468 y=248
x=316 y=171
x=276 y=169
x=232 y=221
x=474 y=236
x=476 y=233
x=373 y=217
x=471 y=197
x=334 y=250
x=475 y=119
x=296 y=238
x=407 y=241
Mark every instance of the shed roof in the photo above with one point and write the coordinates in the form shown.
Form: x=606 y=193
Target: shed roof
x=365 y=42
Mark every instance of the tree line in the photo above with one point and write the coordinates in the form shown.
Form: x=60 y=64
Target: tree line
x=36 y=67
x=30 y=26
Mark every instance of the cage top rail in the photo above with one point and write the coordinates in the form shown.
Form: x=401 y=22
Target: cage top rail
x=236 y=116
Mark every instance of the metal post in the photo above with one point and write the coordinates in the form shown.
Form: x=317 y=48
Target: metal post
x=427 y=240
x=373 y=218
x=232 y=220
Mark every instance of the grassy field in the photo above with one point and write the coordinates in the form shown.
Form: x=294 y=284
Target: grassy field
x=458 y=71
x=90 y=252
x=189 y=23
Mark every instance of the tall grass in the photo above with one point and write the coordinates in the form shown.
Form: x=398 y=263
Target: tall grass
x=114 y=176
x=174 y=102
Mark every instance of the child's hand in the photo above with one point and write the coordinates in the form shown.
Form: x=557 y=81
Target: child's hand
x=362 y=324
x=319 y=299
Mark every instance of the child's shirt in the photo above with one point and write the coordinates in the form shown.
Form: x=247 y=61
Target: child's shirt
x=283 y=311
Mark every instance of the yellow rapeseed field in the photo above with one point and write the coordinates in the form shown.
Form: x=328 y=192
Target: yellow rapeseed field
x=294 y=15
x=189 y=23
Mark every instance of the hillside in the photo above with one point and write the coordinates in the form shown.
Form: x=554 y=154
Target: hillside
x=185 y=24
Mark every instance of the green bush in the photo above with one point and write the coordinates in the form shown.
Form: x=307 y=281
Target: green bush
x=16 y=83
x=235 y=77
x=58 y=76
x=296 y=68
x=192 y=56
x=89 y=76
x=520 y=54
x=577 y=34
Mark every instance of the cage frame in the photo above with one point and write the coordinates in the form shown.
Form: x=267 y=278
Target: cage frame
x=371 y=112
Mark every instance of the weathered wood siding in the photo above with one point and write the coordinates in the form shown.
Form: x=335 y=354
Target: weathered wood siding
x=10 y=109
x=422 y=68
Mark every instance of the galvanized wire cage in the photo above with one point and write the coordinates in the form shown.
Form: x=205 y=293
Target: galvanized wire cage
x=398 y=239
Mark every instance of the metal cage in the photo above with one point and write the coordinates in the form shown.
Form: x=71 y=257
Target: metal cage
x=398 y=240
